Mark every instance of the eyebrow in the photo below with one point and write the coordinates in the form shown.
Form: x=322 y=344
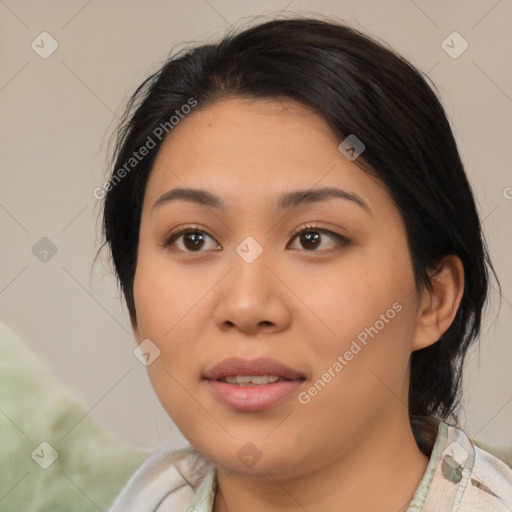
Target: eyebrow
x=285 y=200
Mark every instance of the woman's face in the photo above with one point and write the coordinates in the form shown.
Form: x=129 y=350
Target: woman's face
x=318 y=284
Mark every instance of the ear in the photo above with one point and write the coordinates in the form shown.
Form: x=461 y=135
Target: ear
x=439 y=307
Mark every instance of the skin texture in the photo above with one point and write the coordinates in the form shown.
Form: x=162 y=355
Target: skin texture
x=300 y=303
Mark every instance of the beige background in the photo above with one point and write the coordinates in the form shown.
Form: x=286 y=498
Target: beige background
x=57 y=114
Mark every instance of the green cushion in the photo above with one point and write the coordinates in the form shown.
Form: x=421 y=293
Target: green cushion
x=92 y=465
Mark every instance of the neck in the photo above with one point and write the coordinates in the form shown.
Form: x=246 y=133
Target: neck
x=387 y=461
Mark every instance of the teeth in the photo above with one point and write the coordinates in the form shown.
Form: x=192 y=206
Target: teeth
x=248 y=380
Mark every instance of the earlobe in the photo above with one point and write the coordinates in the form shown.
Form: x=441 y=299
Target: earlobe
x=438 y=307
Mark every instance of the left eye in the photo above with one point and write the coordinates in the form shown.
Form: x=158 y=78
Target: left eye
x=311 y=237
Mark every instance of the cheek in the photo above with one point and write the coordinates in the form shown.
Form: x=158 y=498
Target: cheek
x=163 y=297
x=369 y=358
x=365 y=314
x=175 y=393
x=168 y=315
x=352 y=298
x=171 y=313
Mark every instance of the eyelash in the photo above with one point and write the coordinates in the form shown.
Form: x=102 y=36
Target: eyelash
x=341 y=241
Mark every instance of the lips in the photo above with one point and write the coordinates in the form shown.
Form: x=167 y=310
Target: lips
x=253 y=397
x=262 y=366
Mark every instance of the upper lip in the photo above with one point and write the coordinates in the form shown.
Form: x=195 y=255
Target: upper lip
x=261 y=366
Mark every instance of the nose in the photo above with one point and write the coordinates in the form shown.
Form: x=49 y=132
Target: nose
x=252 y=297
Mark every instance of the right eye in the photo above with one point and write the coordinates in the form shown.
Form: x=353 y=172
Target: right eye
x=193 y=239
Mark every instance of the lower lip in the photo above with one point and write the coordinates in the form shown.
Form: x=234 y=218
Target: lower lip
x=253 y=398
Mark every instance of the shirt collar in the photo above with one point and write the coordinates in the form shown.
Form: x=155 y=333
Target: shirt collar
x=205 y=494
x=451 y=455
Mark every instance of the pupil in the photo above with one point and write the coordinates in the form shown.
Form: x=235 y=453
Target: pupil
x=311 y=236
x=195 y=237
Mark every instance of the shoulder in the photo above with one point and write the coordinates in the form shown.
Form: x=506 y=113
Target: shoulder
x=486 y=481
x=167 y=480
x=491 y=481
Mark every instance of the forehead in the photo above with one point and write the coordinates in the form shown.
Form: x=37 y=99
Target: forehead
x=254 y=148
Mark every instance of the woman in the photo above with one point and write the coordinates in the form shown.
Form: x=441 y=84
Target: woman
x=303 y=264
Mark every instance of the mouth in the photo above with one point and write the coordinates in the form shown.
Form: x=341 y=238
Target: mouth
x=253 y=380
x=250 y=370
x=252 y=385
